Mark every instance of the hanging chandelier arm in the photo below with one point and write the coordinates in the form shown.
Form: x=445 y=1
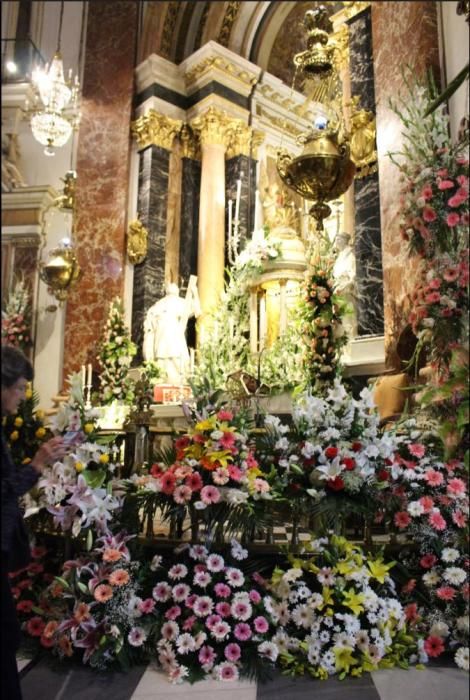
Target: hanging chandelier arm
x=60 y=26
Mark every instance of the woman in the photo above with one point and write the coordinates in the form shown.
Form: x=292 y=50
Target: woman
x=17 y=371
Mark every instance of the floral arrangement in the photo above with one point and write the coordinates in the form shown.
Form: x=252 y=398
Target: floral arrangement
x=337 y=612
x=77 y=490
x=213 y=619
x=212 y=473
x=115 y=357
x=226 y=349
x=16 y=321
x=440 y=304
x=25 y=431
x=94 y=608
x=28 y=586
x=434 y=194
x=429 y=507
x=321 y=312
x=330 y=460
x=434 y=221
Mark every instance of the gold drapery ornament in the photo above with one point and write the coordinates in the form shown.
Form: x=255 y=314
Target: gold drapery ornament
x=214 y=127
x=155 y=129
x=363 y=148
x=137 y=242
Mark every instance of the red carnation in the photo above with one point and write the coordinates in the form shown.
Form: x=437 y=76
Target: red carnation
x=349 y=463
x=331 y=452
x=336 y=484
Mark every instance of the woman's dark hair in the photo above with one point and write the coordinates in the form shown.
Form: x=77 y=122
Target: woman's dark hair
x=14 y=366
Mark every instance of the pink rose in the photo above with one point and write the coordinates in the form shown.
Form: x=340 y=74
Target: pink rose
x=452 y=219
x=445 y=184
x=429 y=214
x=432 y=298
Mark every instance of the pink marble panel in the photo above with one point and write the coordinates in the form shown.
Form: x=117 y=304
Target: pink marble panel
x=403 y=33
x=102 y=175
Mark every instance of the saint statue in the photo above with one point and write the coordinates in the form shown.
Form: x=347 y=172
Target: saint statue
x=344 y=274
x=164 y=331
x=279 y=213
x=137 y=236
x=11 y=176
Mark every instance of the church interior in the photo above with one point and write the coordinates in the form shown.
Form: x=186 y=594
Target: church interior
x=235 y=251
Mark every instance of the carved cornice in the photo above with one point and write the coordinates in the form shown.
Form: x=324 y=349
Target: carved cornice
x=278 y=122
x=214 y=127
x=281 y=100
x=222 y=64
x=155 y=129
x=191 y=147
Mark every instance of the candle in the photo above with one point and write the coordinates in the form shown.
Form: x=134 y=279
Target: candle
x=230 y=208
x=89 y=375
x=83 y=375
x=191 y=361
x=237 y=201
x=257 y=174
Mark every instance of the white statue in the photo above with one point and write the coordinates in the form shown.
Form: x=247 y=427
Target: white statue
x=344 y=274
x=164 y=331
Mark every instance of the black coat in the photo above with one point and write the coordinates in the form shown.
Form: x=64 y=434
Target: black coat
x=15 y=482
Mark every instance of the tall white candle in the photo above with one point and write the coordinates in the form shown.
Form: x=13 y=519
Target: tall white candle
x=237 y=201
x=230 y=211
x=89 y=375
x=191 y=361
x=83 y=375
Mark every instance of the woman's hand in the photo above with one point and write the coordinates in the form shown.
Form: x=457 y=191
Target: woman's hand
x=49 y=452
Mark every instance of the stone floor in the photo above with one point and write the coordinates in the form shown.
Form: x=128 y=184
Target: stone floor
x=47 y=679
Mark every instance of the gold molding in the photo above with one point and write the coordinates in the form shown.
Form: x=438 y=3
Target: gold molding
x=282 y=101
x=340 y=39
x=225 y=66
x=240 y=139
x=279 y=123
x=155 y=129
x=191 y=147
x=214 y=127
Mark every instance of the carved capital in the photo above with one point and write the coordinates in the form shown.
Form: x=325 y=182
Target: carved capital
x=191 y=147
x=240 y=139
x=214 y=127
x=155 y=129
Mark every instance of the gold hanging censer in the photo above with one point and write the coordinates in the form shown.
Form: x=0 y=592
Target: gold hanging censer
x=324 y=169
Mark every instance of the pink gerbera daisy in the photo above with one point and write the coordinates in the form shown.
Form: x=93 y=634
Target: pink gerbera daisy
x=210 y=494
x=434 y=646
x=446 y=593
x=401 y=520
x=437 y=521
x=433 y=477
x=417 y=450
x=242 y=631
x=456 y=487
x=459 y=518
x=232 y=652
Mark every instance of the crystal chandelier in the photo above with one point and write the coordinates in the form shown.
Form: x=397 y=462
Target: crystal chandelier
x=56 y=115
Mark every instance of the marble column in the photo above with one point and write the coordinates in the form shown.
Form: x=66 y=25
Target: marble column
x=401 y=31
x=213 y=128
x=149 y=275
x=190 y=189
x=155 y=134
x=368 y=241
x=103 y=159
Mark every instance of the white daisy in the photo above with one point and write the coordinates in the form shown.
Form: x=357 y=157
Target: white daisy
x=461 y=658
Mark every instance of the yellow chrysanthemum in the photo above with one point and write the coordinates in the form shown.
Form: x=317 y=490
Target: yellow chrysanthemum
x=18 y=422
x=79 y=467
x=40 y=432
x=26 y=460
x=39 y=415
x=104 y=459
x=14 y=436
x=88 y=428
x=28 y=393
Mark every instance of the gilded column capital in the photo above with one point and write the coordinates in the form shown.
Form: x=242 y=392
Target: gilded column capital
x=213 y=127
x=155 y=129
x=244 y=140
x=191 y=147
